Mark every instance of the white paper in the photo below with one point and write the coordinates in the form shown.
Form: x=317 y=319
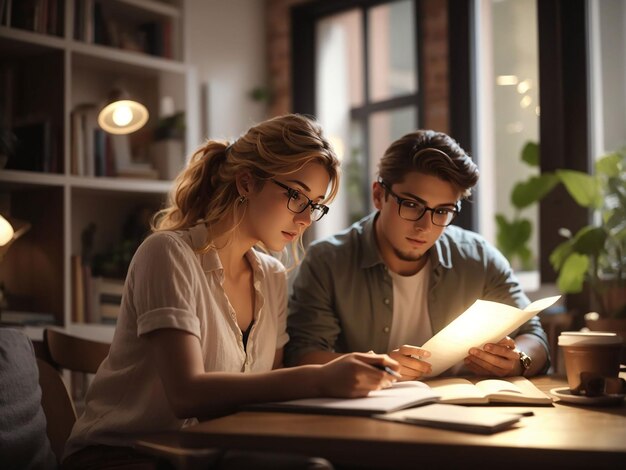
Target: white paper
x=484 y=322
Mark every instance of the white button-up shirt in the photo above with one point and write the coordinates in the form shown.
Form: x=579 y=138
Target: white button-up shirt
x=170 y=284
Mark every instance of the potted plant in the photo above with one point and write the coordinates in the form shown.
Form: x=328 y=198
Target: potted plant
x=596 y=254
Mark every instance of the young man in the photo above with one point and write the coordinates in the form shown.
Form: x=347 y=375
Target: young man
x=392 y=280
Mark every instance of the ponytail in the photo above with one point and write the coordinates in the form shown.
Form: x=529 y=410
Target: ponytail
x=193 y=189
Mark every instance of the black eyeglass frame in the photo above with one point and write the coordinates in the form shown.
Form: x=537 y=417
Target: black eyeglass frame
x=294 y=193
x=401 y=200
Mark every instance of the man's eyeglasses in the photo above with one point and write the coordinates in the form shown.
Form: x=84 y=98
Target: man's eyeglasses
x=298 y=203
x=410 y=209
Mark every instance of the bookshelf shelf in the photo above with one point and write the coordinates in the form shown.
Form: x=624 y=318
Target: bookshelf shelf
x=125 y=185
x=30 y=38
x=17 y=177
x=46 y=82
x=155 y=7
x=138 y=60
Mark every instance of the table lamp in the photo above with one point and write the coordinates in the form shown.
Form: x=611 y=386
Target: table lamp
x=6 y=231
x=9 y=232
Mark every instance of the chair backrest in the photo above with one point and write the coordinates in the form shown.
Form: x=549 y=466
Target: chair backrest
x=57 y=406
x=74 y=353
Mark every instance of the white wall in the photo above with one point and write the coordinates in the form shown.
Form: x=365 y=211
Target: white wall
x=225 y=43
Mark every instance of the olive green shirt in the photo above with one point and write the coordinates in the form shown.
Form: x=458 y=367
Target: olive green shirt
x=342 y=295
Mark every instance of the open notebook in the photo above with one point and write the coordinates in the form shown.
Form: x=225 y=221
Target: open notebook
x=506 y=390
x=400 y=395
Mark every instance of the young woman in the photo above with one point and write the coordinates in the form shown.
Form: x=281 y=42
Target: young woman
x=203 y=318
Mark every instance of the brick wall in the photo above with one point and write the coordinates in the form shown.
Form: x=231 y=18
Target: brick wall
x=435 y=86
x=279 y=54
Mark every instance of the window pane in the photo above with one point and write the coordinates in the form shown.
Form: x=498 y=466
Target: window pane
x=385 y=127
x=608 y=76
x=339 y=88
x=509 y=102
x=339 y=61
x=354 y=183
x=391 y=43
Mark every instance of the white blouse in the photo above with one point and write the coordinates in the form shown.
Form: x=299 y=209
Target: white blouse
x=171 y=285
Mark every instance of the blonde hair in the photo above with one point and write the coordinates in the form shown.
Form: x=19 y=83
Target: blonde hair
x=206 y=189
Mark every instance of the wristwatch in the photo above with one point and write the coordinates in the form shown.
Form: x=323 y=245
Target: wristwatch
x=525 y=361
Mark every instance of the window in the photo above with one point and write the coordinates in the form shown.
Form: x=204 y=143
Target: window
x=363 y=56
x=507 y=118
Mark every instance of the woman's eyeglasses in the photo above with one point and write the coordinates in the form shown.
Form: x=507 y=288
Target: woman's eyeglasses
x=298 y=203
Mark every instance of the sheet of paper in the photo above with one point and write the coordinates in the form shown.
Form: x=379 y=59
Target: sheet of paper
x=484 y=322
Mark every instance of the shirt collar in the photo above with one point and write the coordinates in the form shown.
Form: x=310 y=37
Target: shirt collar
x=370 y=256
x=210 y=260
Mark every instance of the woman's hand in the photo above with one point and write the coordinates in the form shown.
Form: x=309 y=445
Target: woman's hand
x=356 y=374
x=500 y=359
x=412 y=367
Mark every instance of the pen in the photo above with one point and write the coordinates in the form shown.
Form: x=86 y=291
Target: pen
x=389 y=370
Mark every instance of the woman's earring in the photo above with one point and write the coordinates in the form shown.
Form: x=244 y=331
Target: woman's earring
x=242 y=199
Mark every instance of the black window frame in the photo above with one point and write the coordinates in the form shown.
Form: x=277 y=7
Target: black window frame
x=304 y=18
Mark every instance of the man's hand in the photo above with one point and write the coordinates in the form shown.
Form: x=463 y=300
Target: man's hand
x=500 y=359
x=412 y=367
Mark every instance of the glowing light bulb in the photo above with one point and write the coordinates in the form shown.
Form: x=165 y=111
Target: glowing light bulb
x=122 y=115
x=6 y=231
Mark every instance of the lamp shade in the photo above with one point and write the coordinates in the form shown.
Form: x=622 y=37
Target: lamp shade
x=6 y=231
x=123 y=116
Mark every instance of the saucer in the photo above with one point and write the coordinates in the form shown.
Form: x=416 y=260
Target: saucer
x=564 y=394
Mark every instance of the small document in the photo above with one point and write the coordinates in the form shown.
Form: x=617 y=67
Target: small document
x=513 y=390
x=484 y=322
x=400 y=395
x=455 y=417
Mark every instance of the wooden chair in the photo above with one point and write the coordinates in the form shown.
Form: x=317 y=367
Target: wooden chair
x=78 y=355
x=66 y=351
x=57 y=406
x=70 y=352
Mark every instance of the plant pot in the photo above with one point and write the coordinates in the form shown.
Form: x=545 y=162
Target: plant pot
x=611 y=301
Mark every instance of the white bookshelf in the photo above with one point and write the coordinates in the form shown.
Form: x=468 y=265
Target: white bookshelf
x=67 y=70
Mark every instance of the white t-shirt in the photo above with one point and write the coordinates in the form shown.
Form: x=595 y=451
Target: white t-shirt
x=411 y=322
x=169 y=285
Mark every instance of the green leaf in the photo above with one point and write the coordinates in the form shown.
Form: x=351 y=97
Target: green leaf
x=572 y=275
x=583 y=187
x=512 y=238
x=609 y=165
x=560 y=253
x=589 y=240
x=533 y=190
x=530 y=154
x=526 y=256
x=513 y=234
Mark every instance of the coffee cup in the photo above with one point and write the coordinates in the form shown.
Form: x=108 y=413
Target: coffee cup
x=590 y=357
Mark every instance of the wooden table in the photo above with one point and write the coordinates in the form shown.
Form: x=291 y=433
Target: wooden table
x=557 y=436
